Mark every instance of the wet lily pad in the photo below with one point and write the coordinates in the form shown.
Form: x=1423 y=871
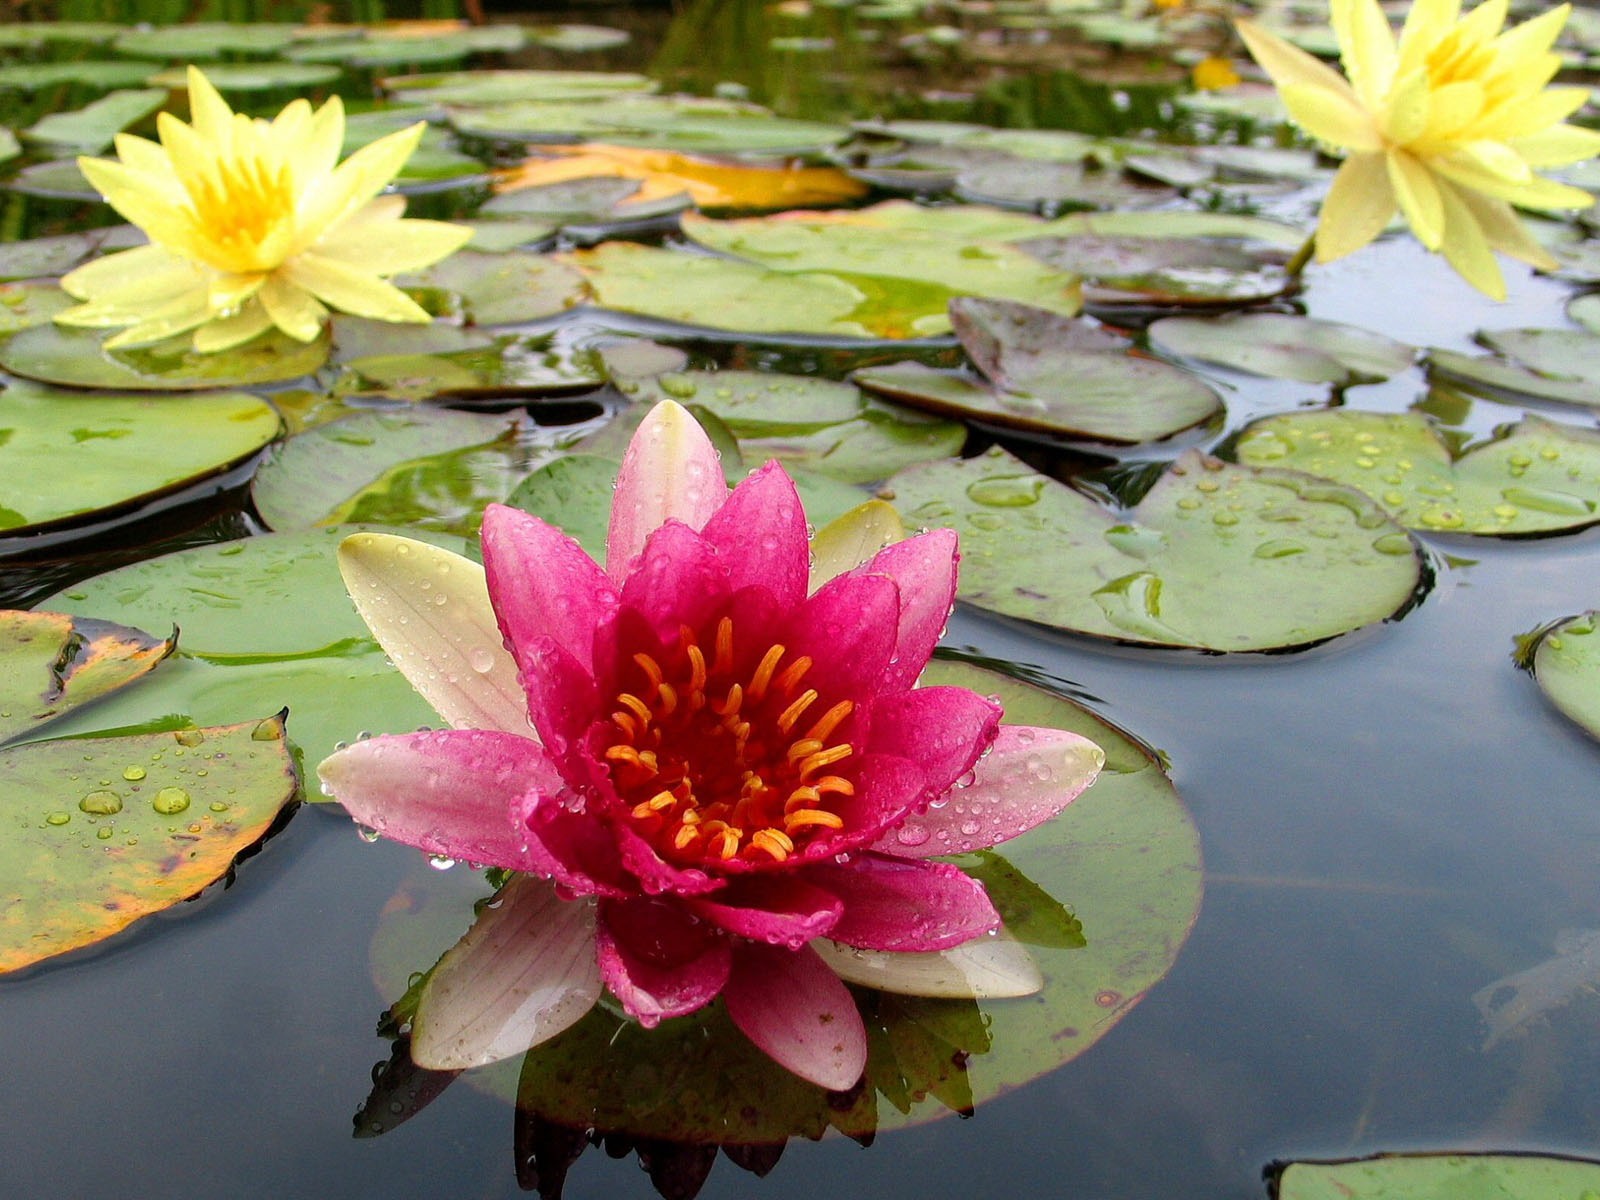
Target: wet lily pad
x=1533 y=477
x=1285 y=347
x=1165 y=270
x=1556 y=365
x=47 y=255
x=1032 y=184
x=266 y=621
x=573 y=493
x=91 y=129
x=1048 y=374
x=102 y=832
x=412 y=363
x=1214 y=557
x=25 y=34
x=505 y=289
x=468 y=88
x=50 y=663
x=425 y=467
x=1566 y=662
x=76 y=358
x=387 y=49
x=23 y=305
x=67 y=455
x=1467 y=1176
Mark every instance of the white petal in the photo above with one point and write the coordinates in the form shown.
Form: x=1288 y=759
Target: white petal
x=984 y=969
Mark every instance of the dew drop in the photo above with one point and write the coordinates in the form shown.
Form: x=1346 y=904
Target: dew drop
x=101 y=803
x=441 y=862
x=133 y=774
x=170 y=800
x=58 y=818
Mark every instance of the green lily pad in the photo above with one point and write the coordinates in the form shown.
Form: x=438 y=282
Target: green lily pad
x=1165 y=270
x=1214 y=557
x=862 y=254
x=67 y=455
x=103 y=832
x=1533 y=477
x=573 y=493
x=1053 y=375
x=55 y=179
x=253 y=77
x=1123 y=860
x=810 y=424
x=203 y=41
x=9 y=146
x=38 y=77
x=422 y=362
x=1031 y=183
x=47 y=255
x=75 y=358
x=24 y=34
x=468 y=88
x=430 y=468
x=91 y=129
x=23 y=305
x=505 y=289
x=50 y=663
x=1585 y=310
x=1463 y=1176
x=1562 y=354
x=384 y=50
x=1498 y=376
x=578 y=39
x=1285 y=347
x=1566 y=662
x=266 y=621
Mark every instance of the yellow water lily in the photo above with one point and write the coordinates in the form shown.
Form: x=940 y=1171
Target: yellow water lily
x=251 y=226
x=1448 y=124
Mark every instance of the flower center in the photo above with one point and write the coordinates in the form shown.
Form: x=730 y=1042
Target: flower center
x=238 y=205
x=715 y=763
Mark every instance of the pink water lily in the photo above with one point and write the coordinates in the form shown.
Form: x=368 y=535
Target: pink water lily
x=713 y=778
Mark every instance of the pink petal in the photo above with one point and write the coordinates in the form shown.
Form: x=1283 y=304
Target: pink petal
x=775 y=908
x=761 y=535
x=671 y=471
x=798 y=1013
x=572 y=848
x=543 y=584
x=658 y=959
x=524 y=972
x=1028 y=776
x=454 y=792
x=848 y=630
x=679 y=579
x=941 y=729
x=888 y=789
x=905 y=904
x=562 y=700
x=924 y=569
x=654 y=874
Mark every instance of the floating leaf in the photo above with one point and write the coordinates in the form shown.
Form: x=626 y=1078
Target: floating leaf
x=266 y=621
x=103 y=832
x=1463 y=1176
x=90 y=130
x=578 y=39
x=1165 y=270
x=38 y=77
x=1285 y=347
x=505 y=289
x=468 y=88
x=1533 y=477
x=253 y=77
x=1052 y=375
x=1215 y=557
x=1496 y=376
x=203 y=41
x=9 y=146
x=51 y=663
x=47 y=255
x=387 y=47
x=76 y=358
x=1566 y=662
x=573 y=493
x=23 y=305
x=66 y=455
x=1031 y=184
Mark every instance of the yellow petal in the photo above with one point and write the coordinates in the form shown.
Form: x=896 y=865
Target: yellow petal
x=1407 y=114
x=1466 y=248
x=1454 y=107
x=1535 y=193
x=355 y=181
x=146 y=157
x=207 y=109
x=1533 y=38
x=1367 y=47
x=350 y=290
x=1483 y=23
x=1288 y=64
x=314 y=157
x=180 y=316
x=1331 y=117
x=292 y=309
x=1418 y=196
x=227 y=291
x=132 y=195
x=1532 y=115
x=151 y=272
x=1357 y=209
x=224 y=333
x=1557 y=147
x=1426 y=22
x=390 y=247
x=1505 y=232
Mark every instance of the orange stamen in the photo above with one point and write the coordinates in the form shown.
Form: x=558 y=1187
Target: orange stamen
x=830 y=720
x=764 y=669
x=787 y=718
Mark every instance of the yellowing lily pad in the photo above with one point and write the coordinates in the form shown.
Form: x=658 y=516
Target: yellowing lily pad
x=1285 y=347
x=99 y=833
x=1533 y=477
x=50 y=663
x=76 y=358
x=1459 y=1176
x=1566 y=662
x=69 y=455
x=1214 y=557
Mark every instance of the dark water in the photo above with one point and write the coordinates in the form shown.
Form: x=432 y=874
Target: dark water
x=1390 y=823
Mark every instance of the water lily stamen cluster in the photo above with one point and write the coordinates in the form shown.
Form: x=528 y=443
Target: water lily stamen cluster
x=708 y=770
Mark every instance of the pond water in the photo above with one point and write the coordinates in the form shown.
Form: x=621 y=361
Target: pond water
x=1391 y=822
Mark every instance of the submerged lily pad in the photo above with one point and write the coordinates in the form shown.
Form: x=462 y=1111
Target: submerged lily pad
x=102 y=832
x=266 y=622
x=1214 y=557
x=1463 y=1176
x=1533 y=477
x=1285 y=347
x=1044 y=373
x=77 y=358
x=67 y=455
x=1566 y=662
x=50 y=663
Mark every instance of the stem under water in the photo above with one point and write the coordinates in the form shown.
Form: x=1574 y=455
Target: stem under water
x=1302 y=256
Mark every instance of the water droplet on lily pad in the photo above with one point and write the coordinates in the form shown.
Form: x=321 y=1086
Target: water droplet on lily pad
x=170 y=800
x=1015 y=491
x=101 y=803
x=133 y=774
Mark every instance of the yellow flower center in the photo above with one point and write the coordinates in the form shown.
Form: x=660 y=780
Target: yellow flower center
x=715 y=764
x=240 y=206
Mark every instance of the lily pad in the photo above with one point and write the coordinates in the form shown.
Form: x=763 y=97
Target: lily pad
x=9 y=146
x=446 y=360
x=203 y=41
x=50 y=663
x=38 y=77
x=103 y=832
x=23 y=305
x=1214 y=557
x=505 y=289
x=1048 y=374
x=1285 y=347
x=1032 y=184
x=1466 y=1176
x=573 y=493
x=578 y=39
x=253 y=77
x=266 y=621
x=468 y=88
x=67 y=455
x=47 y=255
x=1533 y=477
x=1165 y=270
x=1497 y=375
x=1566 y=662
x=91 y=129
x=76 y=358
x=425 y=467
